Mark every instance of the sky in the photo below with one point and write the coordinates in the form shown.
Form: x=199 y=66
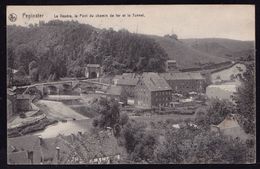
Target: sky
x=187 y=21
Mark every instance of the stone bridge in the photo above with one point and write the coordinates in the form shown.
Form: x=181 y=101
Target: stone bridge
x=55 y=87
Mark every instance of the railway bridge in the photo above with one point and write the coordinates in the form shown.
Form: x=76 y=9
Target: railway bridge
x=57 y=86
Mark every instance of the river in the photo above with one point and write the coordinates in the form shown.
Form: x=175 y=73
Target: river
x=69 y=120
x=65 y=128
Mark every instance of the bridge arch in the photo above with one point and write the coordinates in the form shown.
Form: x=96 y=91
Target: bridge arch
x=52 y=89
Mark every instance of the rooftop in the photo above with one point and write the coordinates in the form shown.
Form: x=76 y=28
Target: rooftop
x=127 y=79
x=45 y=148
x=114 y=90
x=18 y=158
x=182 y=76
x=154 y=82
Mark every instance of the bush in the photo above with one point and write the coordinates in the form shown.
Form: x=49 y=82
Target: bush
x=193 y=146
x=218 y=110
x=123 y=119
x=138 y=142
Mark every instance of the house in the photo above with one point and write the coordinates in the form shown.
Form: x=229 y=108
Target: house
x=185 y=82
x=230 y=127
x=152 y=91
x=128 y=82
x=23 y=102
x=80 y=148
x=171 y=66
x=33 y=149
x=114 y=92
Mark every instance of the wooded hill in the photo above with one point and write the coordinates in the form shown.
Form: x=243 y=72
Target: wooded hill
x=57 y=49
x=62 y=48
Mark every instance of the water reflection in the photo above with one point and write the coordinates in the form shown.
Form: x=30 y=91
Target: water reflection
x=65 y=128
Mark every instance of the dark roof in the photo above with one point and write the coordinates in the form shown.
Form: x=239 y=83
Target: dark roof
x=24 y=142
x=182 y=76
x=18 y=158
x=93 y=65
x=114 y=90
x=47 y=148
x=154 y=82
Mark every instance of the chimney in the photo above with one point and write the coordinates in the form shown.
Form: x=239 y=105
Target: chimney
x=40 y=140
x=58 y=154
x=72 y=137
x=30 y=156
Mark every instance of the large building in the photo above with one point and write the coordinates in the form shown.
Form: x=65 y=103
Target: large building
x=152 y=91
x=185 y=82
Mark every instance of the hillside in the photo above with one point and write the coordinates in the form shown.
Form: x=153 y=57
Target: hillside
x=227 y=48
x=185 y=55
x=57 y=49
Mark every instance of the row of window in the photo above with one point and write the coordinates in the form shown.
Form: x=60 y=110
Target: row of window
x=162 y=98
x=163 y=104
x=162 y=93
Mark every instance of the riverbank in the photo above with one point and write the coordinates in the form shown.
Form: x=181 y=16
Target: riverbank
x=33 y=127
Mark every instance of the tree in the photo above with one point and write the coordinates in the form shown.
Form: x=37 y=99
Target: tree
x=218 y=110
x=245 y=99
x=33 y=71
x=108 y=111
x=195 y=146
x=21 y=71
x=201 y=118
x=25 y=55
x=34 y=74
x=123 y=119
x=138 y=142
x=33 y=64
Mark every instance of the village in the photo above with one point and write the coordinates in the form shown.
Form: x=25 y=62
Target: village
x=46 y=121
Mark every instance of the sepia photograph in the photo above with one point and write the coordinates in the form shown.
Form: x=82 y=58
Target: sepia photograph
x=130 y=84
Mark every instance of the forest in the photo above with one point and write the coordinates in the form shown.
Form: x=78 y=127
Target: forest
x=48 y=51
